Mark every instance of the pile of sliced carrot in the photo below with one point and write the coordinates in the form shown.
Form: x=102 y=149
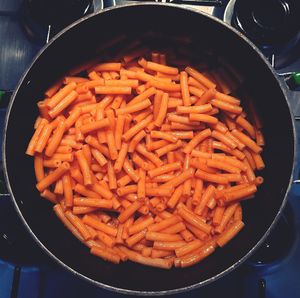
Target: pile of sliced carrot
x=147 y=162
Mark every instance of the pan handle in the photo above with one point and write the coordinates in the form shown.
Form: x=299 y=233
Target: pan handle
x=292 y=79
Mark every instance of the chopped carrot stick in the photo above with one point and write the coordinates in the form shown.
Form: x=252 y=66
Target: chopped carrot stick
x=157 y=236
x=230 y=233
x=104 y=254
x=129 y=211
x=195 y=258
x=47 y=194
x=239 y=194
x=96 y=224
x=53 y=177
x=148 y=162
x=206 y=196
x=60 y=95
x=154 y=262
x=168 y=245
x=227 y=215
x=194 y=220
x=184 y=88
x=188 y=248
x=39 y=167
x=211 y=177
x=196 y=140
x=119 y=131
x=136 y=128
x=78 y=224
x=61 y=215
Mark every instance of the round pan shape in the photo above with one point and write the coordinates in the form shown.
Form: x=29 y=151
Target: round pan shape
x=81 y=41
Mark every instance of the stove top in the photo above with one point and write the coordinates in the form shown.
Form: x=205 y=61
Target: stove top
x=25 y=271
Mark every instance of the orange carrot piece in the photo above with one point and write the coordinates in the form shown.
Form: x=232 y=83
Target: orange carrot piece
x=129 y=134
x=206 y=196
x=53 y=177
x=107 y=67
x=129 y=211
x=68 y=192
x=112 y=181
x=188 y=248
x=200 y=77
x=161 y=68
x=203 y=118
x=247 y=141
x=39 y=167
x=84 y=167
x=78 y=224
x=229 y=233
x=194 y=220
x=134 y=107
x=184 y=88
x=194 y=109
x=141 y=188
x=246 y=125
x=89 y=127
x=157 y=236
x=60 y=95
x=240 y=193
x=105 y=255
x=50 y=196
x=158 y=262
x=196 y=140
x=196 y=257
x=227 y=215
x=119 y=128
x=89 y=202
x=54 y=88
x=162 y=110
x=162 y=135
x=96 y=224
x=132 y=240
x=60 y=214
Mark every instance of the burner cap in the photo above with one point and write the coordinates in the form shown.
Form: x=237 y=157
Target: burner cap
x=58 y=12
x=268 y=22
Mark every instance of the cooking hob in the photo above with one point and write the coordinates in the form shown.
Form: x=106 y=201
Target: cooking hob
x=25 y=271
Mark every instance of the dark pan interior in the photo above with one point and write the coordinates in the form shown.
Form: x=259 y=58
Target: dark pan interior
x=78 y=44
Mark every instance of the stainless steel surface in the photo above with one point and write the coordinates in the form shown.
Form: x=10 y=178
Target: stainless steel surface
x=206 y=9
x=294 y=96
x=18 y=44
x=188 y=2
x=228 y=12
x=16 y=52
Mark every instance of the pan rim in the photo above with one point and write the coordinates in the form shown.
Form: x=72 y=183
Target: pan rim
x=283 y=88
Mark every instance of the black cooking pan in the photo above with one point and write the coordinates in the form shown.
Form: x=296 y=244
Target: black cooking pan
x=78 y=43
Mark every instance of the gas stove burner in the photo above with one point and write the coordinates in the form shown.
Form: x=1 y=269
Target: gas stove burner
x=16 y=246
x=27 y=25
x=278 y=244
x=42 y=18
x=268 y=22
x=273 y=25
x=57 y=12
